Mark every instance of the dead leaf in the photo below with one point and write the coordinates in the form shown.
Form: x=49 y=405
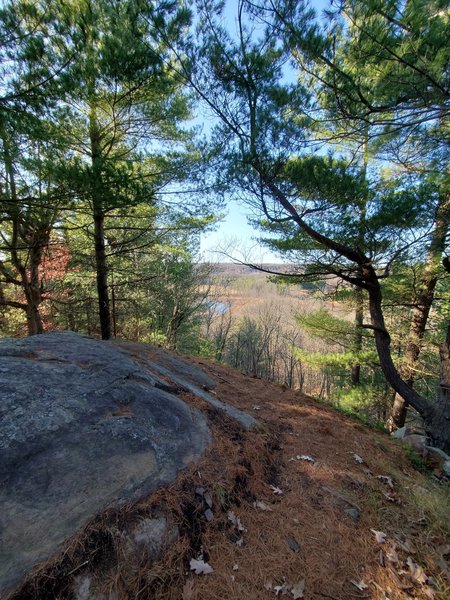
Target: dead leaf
x=262 y=505
x=188 y=590
x=360 y=585
x=380 y=536
x=276 y=490
x=391 y=498
x=387 y=480
x=416 y=572
x=306 y=457
x=200 y=567
x=298 y=589
x=358 y=459
x=405 y=544
x=235 y=520
x=392 y=556
x=398 y=582
x=281 y=589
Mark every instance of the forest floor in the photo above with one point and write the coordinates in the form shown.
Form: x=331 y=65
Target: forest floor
x=310 y=505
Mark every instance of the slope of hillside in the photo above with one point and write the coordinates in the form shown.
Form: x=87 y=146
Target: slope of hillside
x=330 y=484
x=309 y=505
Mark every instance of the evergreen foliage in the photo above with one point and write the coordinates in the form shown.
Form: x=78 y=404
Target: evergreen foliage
x=333 y=127
x=92 y=142
x=371 y=73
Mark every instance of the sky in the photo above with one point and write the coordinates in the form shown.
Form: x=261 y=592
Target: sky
x=234 y=230
x=235 y=238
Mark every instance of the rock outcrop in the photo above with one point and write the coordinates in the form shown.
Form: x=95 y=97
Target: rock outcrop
x=83 y=427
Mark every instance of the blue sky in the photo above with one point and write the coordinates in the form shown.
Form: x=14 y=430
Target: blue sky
x=234 y=230
x=235 y=236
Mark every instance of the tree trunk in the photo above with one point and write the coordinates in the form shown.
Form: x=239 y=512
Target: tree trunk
x=172 y=328
x=33 y=296
x=422 y=309
x=113 y=300
x=102 y=274
x=436 y=416
x=359 y=293
x=357 y=343
x=99 y=221
x=441 y=420
x=34 y=321
x=419 y=320
x=399 y=410
x=36 y=238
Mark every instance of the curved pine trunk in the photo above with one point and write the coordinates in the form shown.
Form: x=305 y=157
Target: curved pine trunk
x=436 y=416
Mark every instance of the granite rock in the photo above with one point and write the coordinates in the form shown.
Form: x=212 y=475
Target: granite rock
x=83 y=427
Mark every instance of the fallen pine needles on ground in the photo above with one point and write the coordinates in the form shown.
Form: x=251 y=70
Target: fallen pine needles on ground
x=309 y=505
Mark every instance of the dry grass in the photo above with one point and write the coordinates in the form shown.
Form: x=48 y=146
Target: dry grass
x=307 y=535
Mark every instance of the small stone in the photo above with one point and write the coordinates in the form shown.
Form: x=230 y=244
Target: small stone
x=353 y=513
x=418 y=442
x=293 y=544
x=209 y=515
x=400 y=433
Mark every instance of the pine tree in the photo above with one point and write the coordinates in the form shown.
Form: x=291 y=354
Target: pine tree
x=121 y=97
x=30 y=72
x=271 y=123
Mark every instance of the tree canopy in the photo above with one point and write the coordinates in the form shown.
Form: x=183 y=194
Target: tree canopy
x=334 y=127
x=289 y=89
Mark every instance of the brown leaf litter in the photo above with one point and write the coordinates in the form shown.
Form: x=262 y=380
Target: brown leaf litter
x=310 y=505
